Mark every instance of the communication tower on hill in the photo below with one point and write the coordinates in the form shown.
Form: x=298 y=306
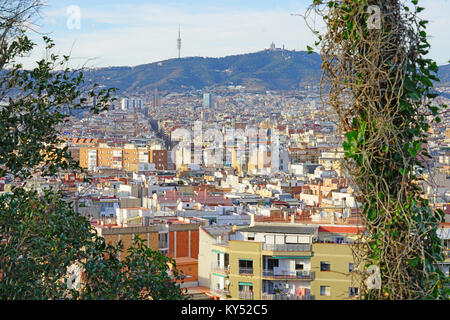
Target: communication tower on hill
x=179 y=42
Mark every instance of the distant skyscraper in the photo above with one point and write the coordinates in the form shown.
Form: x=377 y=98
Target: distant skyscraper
x=125 y=104
x=179 y=42
x=207 y=100
x=156 y=101
x=131 y=104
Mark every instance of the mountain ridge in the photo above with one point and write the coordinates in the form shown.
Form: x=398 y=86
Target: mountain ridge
x=277 y=69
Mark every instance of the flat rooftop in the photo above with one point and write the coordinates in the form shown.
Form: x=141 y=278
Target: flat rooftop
x=281 y=229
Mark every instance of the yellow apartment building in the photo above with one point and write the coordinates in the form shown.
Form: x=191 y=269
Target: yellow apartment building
x=284 y=261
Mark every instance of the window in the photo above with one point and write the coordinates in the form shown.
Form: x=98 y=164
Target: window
x=291 y=239
x=270 y=239
x=163 y=240
x=245 y=291
x=299 y=266
x=339 y=240
x=245 y=266
x=250 y=236
x=246 y=287
x=353 y=292
x=350 y=267
x=325 y=266
x=271 y=263
x=325 y=290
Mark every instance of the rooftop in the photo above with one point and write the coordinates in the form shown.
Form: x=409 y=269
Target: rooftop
x=271 y=228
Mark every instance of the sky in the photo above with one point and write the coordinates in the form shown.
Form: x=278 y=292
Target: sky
x=102 y=33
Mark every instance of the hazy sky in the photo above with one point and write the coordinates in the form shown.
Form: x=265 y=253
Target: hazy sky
x=133 y=32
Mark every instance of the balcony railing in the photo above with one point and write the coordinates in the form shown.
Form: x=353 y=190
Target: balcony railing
x=220 y=292
x=248 y=271
x=447 y=253
x=245 y=295
x=268 y=296
x=217 y=267
x=297 y=275
x=287 y=247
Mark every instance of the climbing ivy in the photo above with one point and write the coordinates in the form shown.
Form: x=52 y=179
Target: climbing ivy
x=380 y=84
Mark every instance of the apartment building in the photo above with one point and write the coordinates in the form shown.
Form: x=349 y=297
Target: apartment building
x=303 y=155
x=126 y=158
x=283 y=261
x=336 y=276
x=174 y=236
x=159 y=158
x=265 y=262
x=178 y=238
x=210 y=266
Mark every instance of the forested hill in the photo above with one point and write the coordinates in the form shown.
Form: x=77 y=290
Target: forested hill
x=263 y=70
x=272 y=70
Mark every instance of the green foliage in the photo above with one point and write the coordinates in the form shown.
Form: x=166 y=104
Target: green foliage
x=39 y=100
x=143 y=274
x=385 y=129
x=41 y=235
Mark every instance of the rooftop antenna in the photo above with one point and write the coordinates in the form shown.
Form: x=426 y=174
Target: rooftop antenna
x=179 y=42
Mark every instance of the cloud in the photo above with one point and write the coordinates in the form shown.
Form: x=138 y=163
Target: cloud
x=132 y=34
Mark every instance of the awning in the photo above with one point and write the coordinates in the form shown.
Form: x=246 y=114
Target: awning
x=219 y=275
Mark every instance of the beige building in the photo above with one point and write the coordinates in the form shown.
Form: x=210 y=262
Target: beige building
x=209 y=236
x=333 y=266
x=282 y=261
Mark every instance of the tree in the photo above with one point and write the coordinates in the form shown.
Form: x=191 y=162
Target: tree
x=41 y=234
x=381 y=87
x=15 y=16
x=143 y=274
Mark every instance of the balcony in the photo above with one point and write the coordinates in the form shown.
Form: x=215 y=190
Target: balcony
x=286 y=275
x=287 y=247
x=217 y=267
x=447 y=253
x=245 y=295
x=268 y=296
x=220 y=292
x=245 y=271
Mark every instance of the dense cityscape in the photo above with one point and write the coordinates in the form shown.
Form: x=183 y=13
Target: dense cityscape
x=244 y=187
x=237 y=226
